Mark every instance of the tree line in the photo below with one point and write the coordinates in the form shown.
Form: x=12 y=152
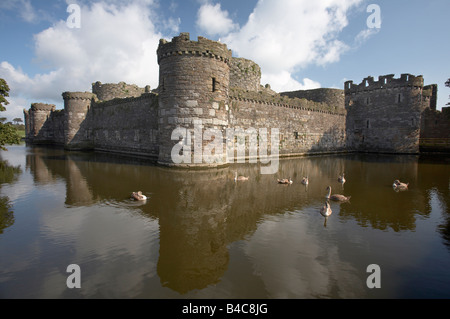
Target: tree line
x=8 y=132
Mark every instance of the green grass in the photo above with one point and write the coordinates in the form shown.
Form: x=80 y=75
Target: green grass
x=21 y=133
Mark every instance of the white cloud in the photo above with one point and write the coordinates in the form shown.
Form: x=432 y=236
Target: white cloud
x=213 y=21
x=116 y=42
x=364 y=35
x=283 y=81
x=284 y=36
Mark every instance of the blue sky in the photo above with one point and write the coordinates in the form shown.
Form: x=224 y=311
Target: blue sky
x=299 y=44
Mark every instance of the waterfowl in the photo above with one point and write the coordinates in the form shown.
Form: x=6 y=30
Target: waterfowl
x=285 y=181
x=305 y=180
x=336 y=197
x=341 y=179
x=240 y=178
x=399 y=185
x=138 y=196
x=325 y=211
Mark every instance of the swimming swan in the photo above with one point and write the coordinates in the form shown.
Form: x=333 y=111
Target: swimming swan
x=325 y=211
x=336 y=197
x=138 y=196
x=285 y=181
x=399 y=185
x=305 y=180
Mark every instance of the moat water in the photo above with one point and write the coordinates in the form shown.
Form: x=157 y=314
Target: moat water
x=200 y=234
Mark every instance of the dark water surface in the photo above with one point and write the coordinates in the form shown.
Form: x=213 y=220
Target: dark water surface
x=201 y=235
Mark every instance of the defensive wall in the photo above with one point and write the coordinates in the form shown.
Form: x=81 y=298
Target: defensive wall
x=201 y=85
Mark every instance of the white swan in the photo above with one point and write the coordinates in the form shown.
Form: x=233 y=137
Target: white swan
x=138 y=196
x=285 y=181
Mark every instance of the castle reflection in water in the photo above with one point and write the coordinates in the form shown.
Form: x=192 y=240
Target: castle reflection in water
x=202 y=212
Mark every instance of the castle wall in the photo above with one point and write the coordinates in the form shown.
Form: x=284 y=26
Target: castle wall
x=435 y=130
x=303 y=129
x=57 y=119
x=128 y=125
x=333 y=97
x=109 y=91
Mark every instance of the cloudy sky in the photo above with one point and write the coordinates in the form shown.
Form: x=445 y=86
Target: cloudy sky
x=299 y=44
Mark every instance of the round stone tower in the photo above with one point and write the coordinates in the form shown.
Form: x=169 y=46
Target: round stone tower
x=76 y=132
x=109 y=91
x=245 y=74
x=35 y=120
x=193 y=93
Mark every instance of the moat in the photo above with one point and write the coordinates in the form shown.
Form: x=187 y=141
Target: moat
x=200 y=234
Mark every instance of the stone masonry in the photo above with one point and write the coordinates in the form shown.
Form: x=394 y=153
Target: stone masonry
x=202 y=86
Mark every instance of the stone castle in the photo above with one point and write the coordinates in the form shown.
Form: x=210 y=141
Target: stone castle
x=200 y=82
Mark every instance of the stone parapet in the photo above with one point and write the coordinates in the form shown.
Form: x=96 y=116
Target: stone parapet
x=182 y=45
x=42 y=107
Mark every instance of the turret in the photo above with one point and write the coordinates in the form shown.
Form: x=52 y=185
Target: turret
x=36 y=122
x=385 y=115
x=193 y=92
x=109 y=91
x=76 y=107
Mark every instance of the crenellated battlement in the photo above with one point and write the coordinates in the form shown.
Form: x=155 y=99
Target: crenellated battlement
x=42 y=107
x=78 y=96
x=182 y=45
x=384 y=82
x=290 y=102
x=110 y=91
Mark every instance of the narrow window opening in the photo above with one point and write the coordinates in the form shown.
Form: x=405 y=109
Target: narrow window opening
x=399 y=98
x=296 y=135
x=214 y=84
x=368 y=123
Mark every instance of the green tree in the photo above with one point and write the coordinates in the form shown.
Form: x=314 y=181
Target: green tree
x=17 y=120
x=8 y=133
